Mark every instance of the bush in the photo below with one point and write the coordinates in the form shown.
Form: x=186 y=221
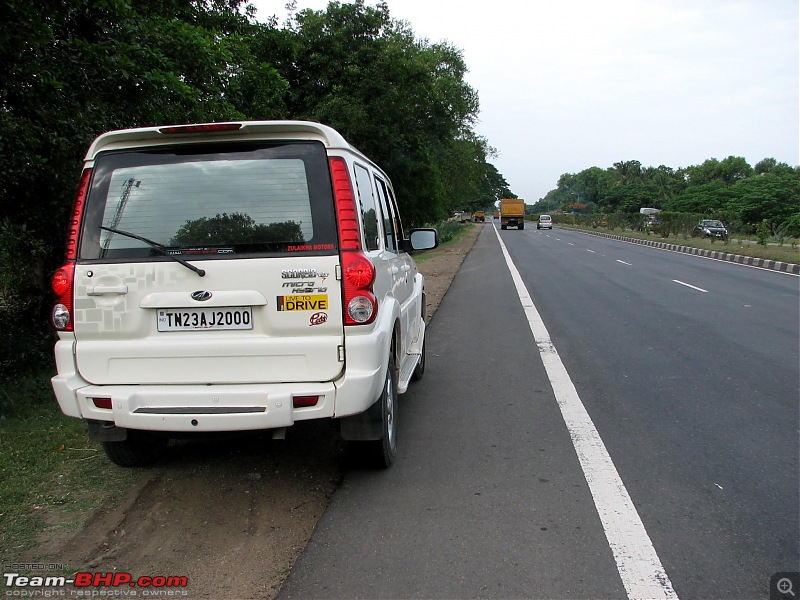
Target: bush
x=26 y=340
x=448 y=230
x=762 y=232
x=792 y=226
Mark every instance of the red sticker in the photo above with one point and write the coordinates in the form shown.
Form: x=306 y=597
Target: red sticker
x=318 y=319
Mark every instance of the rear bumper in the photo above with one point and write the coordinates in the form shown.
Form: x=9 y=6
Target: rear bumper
x=225 y=407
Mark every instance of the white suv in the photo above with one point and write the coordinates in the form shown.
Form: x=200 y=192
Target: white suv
x=231 y=277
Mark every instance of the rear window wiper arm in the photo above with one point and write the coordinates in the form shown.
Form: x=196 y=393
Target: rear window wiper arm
x=158 y=248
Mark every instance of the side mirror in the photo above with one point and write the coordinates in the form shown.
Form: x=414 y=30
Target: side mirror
x=423 y=239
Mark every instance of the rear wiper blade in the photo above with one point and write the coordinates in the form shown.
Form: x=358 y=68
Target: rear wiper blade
x=158 y=248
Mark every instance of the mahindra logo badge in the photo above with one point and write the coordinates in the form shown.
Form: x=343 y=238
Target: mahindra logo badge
x=201 y=295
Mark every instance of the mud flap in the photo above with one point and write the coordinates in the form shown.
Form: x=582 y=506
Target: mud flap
x=106 y=431
x=365 y=426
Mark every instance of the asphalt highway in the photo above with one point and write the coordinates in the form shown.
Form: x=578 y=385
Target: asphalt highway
x=688 y=372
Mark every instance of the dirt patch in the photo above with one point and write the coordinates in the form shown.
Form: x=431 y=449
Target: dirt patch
x=232 y=515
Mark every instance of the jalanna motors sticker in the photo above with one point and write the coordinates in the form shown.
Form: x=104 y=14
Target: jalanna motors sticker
x=303 y=302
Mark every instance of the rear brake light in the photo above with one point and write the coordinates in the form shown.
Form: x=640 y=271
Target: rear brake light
x=208 y=128
x=71 y=252
x=358 y=273
x=349 y=237
x=62 y=286
x=64 y=278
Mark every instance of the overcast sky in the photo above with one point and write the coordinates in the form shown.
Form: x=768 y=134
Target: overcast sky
x=565 y=85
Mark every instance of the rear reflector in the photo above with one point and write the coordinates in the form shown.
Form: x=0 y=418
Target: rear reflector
x=102 y=402
x=208 y=128
x=301 y=401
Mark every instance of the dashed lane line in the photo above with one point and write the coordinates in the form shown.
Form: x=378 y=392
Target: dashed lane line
x=688 y=285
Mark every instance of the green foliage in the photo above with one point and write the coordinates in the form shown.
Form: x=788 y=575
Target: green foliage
x=762 y=232
x=72 y=70
x=401 y=100
x=730 y=190
x=792 y=226
x=448 y=230
x=25 y=339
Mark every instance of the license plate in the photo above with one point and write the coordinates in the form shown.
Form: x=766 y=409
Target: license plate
x=205 y=319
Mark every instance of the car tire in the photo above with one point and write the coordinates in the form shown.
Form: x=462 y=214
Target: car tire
x=382 y=452
x=140 y=449
x=419 y=370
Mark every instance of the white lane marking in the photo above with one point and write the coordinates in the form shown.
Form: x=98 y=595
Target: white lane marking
x=624 y=263
x=570 y=243
x=691 y=286
x=639 y=567
x=592 y=251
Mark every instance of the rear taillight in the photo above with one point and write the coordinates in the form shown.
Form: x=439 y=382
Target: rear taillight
x=358 y=273
x=64 y=277
x=63 y=280
x=75 y=218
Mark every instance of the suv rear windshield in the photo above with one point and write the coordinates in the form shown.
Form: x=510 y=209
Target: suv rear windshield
x=211 y=200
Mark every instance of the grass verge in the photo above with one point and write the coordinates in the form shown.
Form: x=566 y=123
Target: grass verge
x=450 y=234
x=50 y=472
x=788 y=254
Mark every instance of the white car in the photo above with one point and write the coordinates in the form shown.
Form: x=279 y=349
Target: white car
x=233 y=277
x=545 y=222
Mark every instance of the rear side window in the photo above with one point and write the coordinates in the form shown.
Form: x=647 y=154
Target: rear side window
x=214 y=200
x=390 y=235
x=369 y=210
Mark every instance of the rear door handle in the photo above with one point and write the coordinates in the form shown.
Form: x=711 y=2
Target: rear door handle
x=103 y=290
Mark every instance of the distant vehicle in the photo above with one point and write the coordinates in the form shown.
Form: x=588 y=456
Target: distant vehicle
x=512 y=213
x=479 y=216
x=545 y=222
x=712 y=228
x=466 y=217
x=496 y=214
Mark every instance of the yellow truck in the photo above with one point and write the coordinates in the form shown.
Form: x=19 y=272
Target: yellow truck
x=512 y=213
x=479 y=216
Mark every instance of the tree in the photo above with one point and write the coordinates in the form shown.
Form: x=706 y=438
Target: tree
x=68 y=72
x=403 y=101
x=236 y=228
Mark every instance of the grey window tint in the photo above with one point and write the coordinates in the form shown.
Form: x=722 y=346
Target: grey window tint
x=369 y=210
x=398 y=224
x=209 y=202
x=389 y=233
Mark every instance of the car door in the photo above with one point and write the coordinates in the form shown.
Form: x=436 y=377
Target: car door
x=257 y=220
x=404 y=267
